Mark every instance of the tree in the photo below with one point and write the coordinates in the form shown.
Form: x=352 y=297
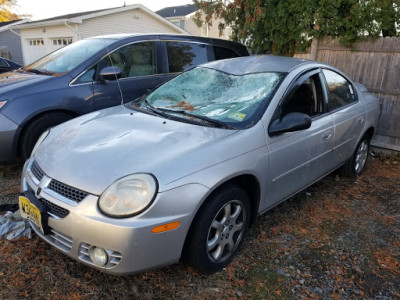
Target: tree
x=282 y=27
x=5 y=10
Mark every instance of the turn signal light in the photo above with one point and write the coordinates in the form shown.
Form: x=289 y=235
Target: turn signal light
x=166 y=227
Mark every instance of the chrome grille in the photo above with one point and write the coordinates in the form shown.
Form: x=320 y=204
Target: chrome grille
x=67 y=191
x=37 y=172
x=52 y=208
x=55 y=209
x=114 y=257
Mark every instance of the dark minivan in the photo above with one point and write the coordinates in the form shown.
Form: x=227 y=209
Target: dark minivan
x=82 y=77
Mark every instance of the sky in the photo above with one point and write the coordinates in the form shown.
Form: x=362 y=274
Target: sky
x=43 y=9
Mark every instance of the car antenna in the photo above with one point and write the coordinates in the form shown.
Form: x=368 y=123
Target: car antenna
x=116 y=77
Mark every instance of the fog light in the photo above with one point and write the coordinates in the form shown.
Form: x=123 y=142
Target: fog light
x=99 y=256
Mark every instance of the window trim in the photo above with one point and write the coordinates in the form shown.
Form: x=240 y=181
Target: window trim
x=296 y=83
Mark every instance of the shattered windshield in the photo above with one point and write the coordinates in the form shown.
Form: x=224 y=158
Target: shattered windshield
x=68 y=57
x=238 y=101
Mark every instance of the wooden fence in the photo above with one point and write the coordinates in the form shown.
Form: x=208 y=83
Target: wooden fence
x=376 y=65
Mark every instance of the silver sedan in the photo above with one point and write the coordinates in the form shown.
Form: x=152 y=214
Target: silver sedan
x=181 y=173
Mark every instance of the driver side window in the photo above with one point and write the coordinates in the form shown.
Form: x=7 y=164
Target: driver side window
x=305 y=97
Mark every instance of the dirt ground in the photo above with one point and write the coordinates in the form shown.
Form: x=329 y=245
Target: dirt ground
x=339 y=239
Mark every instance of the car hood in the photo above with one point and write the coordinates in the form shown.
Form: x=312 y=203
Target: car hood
x=16 y=80
x=93 y=151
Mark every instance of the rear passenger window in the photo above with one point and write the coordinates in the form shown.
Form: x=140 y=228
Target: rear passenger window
x=222 y=53
x=341 y=91
x=184 y=56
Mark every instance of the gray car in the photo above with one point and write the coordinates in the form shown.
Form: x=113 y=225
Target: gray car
x=81 y=78
x=183 y=172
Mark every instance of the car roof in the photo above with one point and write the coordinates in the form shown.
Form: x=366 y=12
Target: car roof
x=121 y=36
x=257 y=64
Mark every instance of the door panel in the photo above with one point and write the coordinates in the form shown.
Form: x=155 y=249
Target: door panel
x=300 y=158
x=348 y=115
x=349 y=123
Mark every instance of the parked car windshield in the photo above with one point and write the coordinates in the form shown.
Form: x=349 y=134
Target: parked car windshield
x=67 y=58
x=237 y=101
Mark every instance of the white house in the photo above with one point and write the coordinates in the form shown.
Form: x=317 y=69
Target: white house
x=184 y=16
x=41 y=37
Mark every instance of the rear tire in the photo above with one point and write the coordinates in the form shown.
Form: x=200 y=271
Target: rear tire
x=33 y=130
x=218 y=230
x=356 y=165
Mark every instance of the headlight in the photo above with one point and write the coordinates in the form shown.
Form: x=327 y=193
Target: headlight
x=128 y=196
x=39 y=141
x=2 y=103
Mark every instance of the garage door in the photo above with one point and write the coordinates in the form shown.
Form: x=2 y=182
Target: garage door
x=36 y=50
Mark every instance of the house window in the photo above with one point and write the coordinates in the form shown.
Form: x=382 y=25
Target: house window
x=175 y=22
x=38 y=42
x=179 y=23
x=62 y=41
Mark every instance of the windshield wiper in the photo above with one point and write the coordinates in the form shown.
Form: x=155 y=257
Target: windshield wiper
x=204 y=118
x=155 y=110
x=40 y=71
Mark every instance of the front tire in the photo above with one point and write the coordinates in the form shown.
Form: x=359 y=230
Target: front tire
x=218 y=230
x=356 y=165
x=32 y=132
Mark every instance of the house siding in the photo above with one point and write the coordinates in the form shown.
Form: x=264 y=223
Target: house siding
x=10 y=43
x=192 y=28
x=133 y=21
x=129 y=21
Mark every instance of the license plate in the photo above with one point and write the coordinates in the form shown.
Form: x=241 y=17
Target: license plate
x=31 y=212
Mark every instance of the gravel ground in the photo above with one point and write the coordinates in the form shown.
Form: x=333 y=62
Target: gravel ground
x=339 y=239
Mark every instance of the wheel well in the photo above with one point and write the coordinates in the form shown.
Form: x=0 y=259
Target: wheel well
x=26 y=125
x=249 y=184
x=370 y=132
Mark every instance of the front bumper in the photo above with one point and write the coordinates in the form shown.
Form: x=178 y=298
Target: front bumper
x=129 y=242
x=8 y=130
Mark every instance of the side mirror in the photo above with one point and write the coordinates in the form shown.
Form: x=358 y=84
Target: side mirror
x=110 y=73
x=291 y=122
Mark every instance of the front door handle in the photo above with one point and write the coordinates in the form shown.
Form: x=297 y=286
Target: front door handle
x=327 y=135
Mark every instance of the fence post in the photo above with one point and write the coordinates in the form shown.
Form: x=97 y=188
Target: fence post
x=314 y=49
